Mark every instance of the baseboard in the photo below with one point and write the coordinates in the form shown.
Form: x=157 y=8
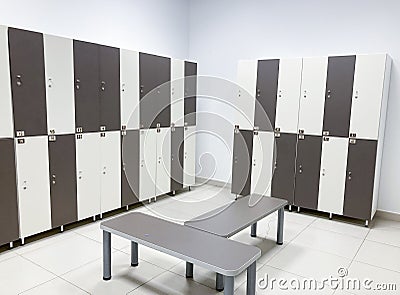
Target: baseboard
x=388 y=215
x=219 y=183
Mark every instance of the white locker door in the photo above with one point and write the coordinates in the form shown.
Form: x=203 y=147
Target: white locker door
x=369 y=79
x=129 y=73
x=263 y=155
x=332 y=174
x=110 y=150
x=312 y=95
x=177 y=91
x=88 y=176
x=59 y=69
x=6 y=112
x=245 y=102
x=189 y=156
x=33 y=185
x=163 y=170
x=148 y=158
x=287 y=103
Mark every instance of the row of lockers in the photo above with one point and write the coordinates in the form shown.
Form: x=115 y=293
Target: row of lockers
x=54 y=85
x=332 y=96
x=49 y=181
x=330 y=174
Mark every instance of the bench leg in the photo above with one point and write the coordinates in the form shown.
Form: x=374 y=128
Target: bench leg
x=254 y=230
x=229 y=285
x=219 y=282
x=251 y=279
x=281 y=213
x=106 y=255
x=134 y=254
x=189 y=270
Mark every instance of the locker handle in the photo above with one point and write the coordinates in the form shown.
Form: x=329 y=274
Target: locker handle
x=123 y=87
x=103 y=86
x=53 y=177
x=50 y=82
x=349 y=175
x=77 y=84
x=300 y=169
x=19 y=80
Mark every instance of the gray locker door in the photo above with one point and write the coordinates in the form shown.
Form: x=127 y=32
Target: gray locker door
x=190 y=93
x=359 y=189
x=130 y=167
x=339 y=92
x=242 y=160
x=285 y=167
x=266 y=94
x=63 y=194
x=154 y=72
x=86 y=75
x=177 y=148
x=308 y=163
x=110 y=102
x=27 y=81
x=9 y=228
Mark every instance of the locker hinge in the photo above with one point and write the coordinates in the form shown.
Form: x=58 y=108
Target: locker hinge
x=172 y=127
x=326 y=133
x=79 y=136
x=52 y=131
x=79 y=129
x=21 y=141
x=277 y=132
x=102 y=128
x=123 y=127
x=301 y=136
x=123 y=132
x=20 y=133
x=102 y=134
x=255 y=130
x=352 y=141
x=326 y=138
x=52 y=138
x=353 y=134
x=301 y=131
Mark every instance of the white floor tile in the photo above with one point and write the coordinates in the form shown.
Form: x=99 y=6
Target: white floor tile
x=96 y=234
x=340 y=227
x=301 y=218
x=389 y=235
x=7 y=254
x=290 y=230
x=384 y=223
x=124 y=278
x=380 y=255
x=18 y=275
x=56 y=286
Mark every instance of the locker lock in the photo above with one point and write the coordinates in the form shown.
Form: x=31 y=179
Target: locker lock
x=349 y=175
x=50 y=82
x=24 y=186
x=77 y=84
x=329 y=94
x=280 y=93
x=103 y=86
x=19 y=80
x=123 y=87
x=323 y=172
x=300 y=169
x=53 y=179
x=356 y=95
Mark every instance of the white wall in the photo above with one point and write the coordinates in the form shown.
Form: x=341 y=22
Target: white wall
x=225 y=31
x=153 y=26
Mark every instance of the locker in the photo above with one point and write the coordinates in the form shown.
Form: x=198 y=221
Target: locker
x=6 y=113
x=177 y=91
x=360 y=178
x=190 y=93
x=9 y=228
x=242 y=162
x=287 y=103
x=308 y=163
x=110 y=164
x=129 y=76
x=148 y=156
x=245 y=103
x=59 y=71
x=86 y=77
x=62 y=170
x=33 y=185
x=163 y=169
x=177 y=150
x=369 y=77
x=189 y=156
x=284 y=167
x=87 y=173
x=332 y=175
x=155 y=92
x=266 y=94
x=109 y=86
x=312 y=95
x=263 y=157
x=130 y=167
x=27 y=82
x=339 y=91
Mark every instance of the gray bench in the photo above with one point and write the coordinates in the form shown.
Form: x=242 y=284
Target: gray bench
x=232 y=218
x=227 y=257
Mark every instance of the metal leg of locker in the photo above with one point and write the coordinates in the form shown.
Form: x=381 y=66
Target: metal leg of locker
x=127 y=207
x=149 y=200
x=22 y=241
x=298 y=209
x=254 y=230
x=173 y=193
x=94 y=218
x=330 y=216
x=190 y=188
x=290 y=208
x=155 y=199
x=101 y=215
x=11 y=245
x=219 y=282
x=62 y=228
x=236 y=197
x=366 y=223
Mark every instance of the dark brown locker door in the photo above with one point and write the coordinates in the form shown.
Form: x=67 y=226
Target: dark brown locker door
x=241 y=164
x=308 y=163
x=86 y=74
x=267 y=89
x=155 y=91
x=28 y=81
x=339 y=92
x=9 y=228
x=190 y=99
x=360 y=177
x=110 y=102
x=63 y=190
x=285 y=167
x=177 y=148
x=130 y=167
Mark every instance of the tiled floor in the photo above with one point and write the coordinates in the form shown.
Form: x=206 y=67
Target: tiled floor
x=314 y=247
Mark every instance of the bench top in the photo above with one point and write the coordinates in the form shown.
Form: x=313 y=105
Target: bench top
x=230 y=219
x=212 y=252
